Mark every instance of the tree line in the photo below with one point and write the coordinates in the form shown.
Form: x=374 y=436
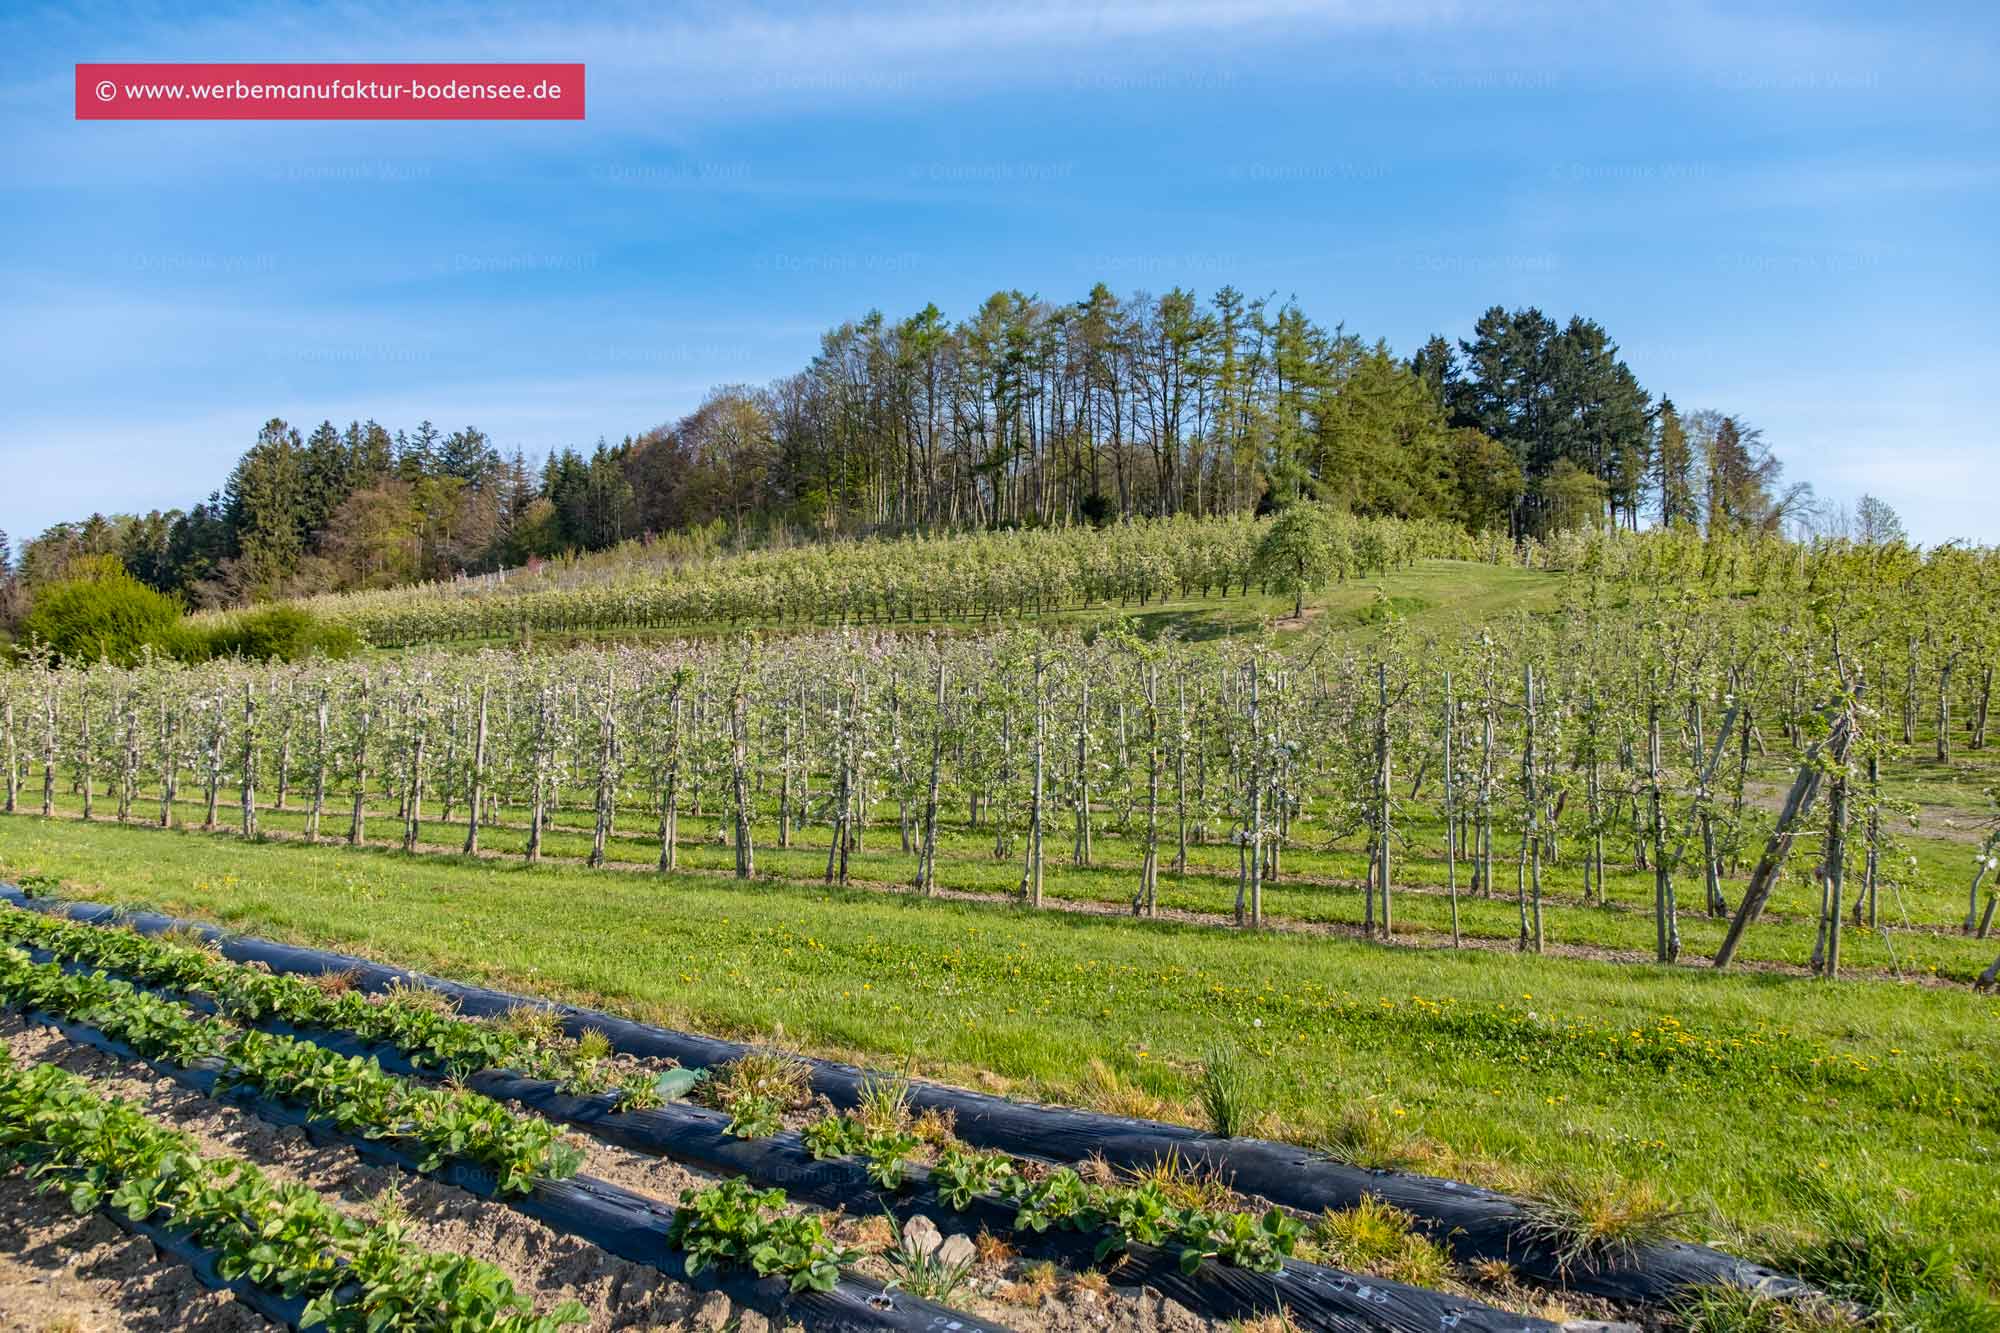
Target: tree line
x=1027 y=413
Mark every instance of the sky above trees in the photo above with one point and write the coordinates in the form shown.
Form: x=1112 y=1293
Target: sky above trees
x=1784 y=214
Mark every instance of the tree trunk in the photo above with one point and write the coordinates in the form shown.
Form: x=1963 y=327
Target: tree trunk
x=539 y=779
x=49 y=750
x=1797 y=805
x=357 y=827
x=13 y=761
x=1450 y=814
x=248 y=789
x=739 y=735
x=927 y=861
x=413 y=783
x=1666 y=916
x=170 y=768
x=476 y=787
x=670 y=795
x=319 y=771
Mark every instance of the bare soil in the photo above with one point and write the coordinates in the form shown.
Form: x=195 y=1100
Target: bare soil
x=82 y=1274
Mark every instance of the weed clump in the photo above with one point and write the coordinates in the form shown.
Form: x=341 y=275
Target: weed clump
x=1600 y=1220
x=1227 y=1092
x=1378 y=1238
x=756 y=1089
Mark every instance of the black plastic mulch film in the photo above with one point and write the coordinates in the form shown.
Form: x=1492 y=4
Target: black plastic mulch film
x=1474 y=1224
x=1310 y=1295
x=616 y=1220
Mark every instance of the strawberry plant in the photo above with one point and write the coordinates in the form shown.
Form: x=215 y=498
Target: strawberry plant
x=356 y=1277
x=353 y=1094
x=409 y=1020
x=961 y=1172
x=887 y=1149
x=735 y=1225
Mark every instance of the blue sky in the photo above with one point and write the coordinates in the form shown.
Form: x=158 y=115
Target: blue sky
x=1788 y=212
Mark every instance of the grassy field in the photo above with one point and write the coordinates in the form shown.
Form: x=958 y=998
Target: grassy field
x=1321 y=888
x=1776 y=1111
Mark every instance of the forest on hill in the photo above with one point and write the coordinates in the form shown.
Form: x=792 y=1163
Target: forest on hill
x=1028 y=413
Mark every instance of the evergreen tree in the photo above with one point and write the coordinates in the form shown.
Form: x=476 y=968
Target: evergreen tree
x=1381 y=446
x=1436 y=364
x=371 y=454
x=264 y=504
x=1673 y=469
x=417 y=454
x=328 y=477
x=467 y=455
x=11 y=601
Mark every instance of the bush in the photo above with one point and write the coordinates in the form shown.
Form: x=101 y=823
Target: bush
x=110 y=617
x=284 y=632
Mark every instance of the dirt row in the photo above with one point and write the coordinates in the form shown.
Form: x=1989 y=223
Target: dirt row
x=76 y=1274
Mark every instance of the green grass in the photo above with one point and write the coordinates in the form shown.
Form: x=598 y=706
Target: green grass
x=1320 y=887
x=1749 y=1100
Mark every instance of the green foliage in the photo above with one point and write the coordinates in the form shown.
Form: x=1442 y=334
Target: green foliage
x=109 y=617
x=961 y=1172
x=1374 y=1237
x=887 y=1148
x=1299 y=552
x=1242 y=1240
x=281 y=1237
x=112 y=617
x=756 y=1088
x=1864 y=1253
x=1591 y=1221
x=1145 y=1214
x=755 y=1116
x=347 y=1091
x=963 y=577
x=421 y=1024
x=1228 y=1092
x=733 y=1225
x=284 y=633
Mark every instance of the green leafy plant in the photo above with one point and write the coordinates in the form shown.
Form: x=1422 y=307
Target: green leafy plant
x=357 y=1277
x=887 y=1149
x=1259 y=1243
x=961 y=1172
x=736 y=1225
x=421 y=1023
x=351 y=1093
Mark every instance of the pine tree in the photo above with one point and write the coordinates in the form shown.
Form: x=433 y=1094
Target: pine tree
x=467 y=455
x=327 y=478
x=1673 y=469
x=264 y=507
x=417 y=454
